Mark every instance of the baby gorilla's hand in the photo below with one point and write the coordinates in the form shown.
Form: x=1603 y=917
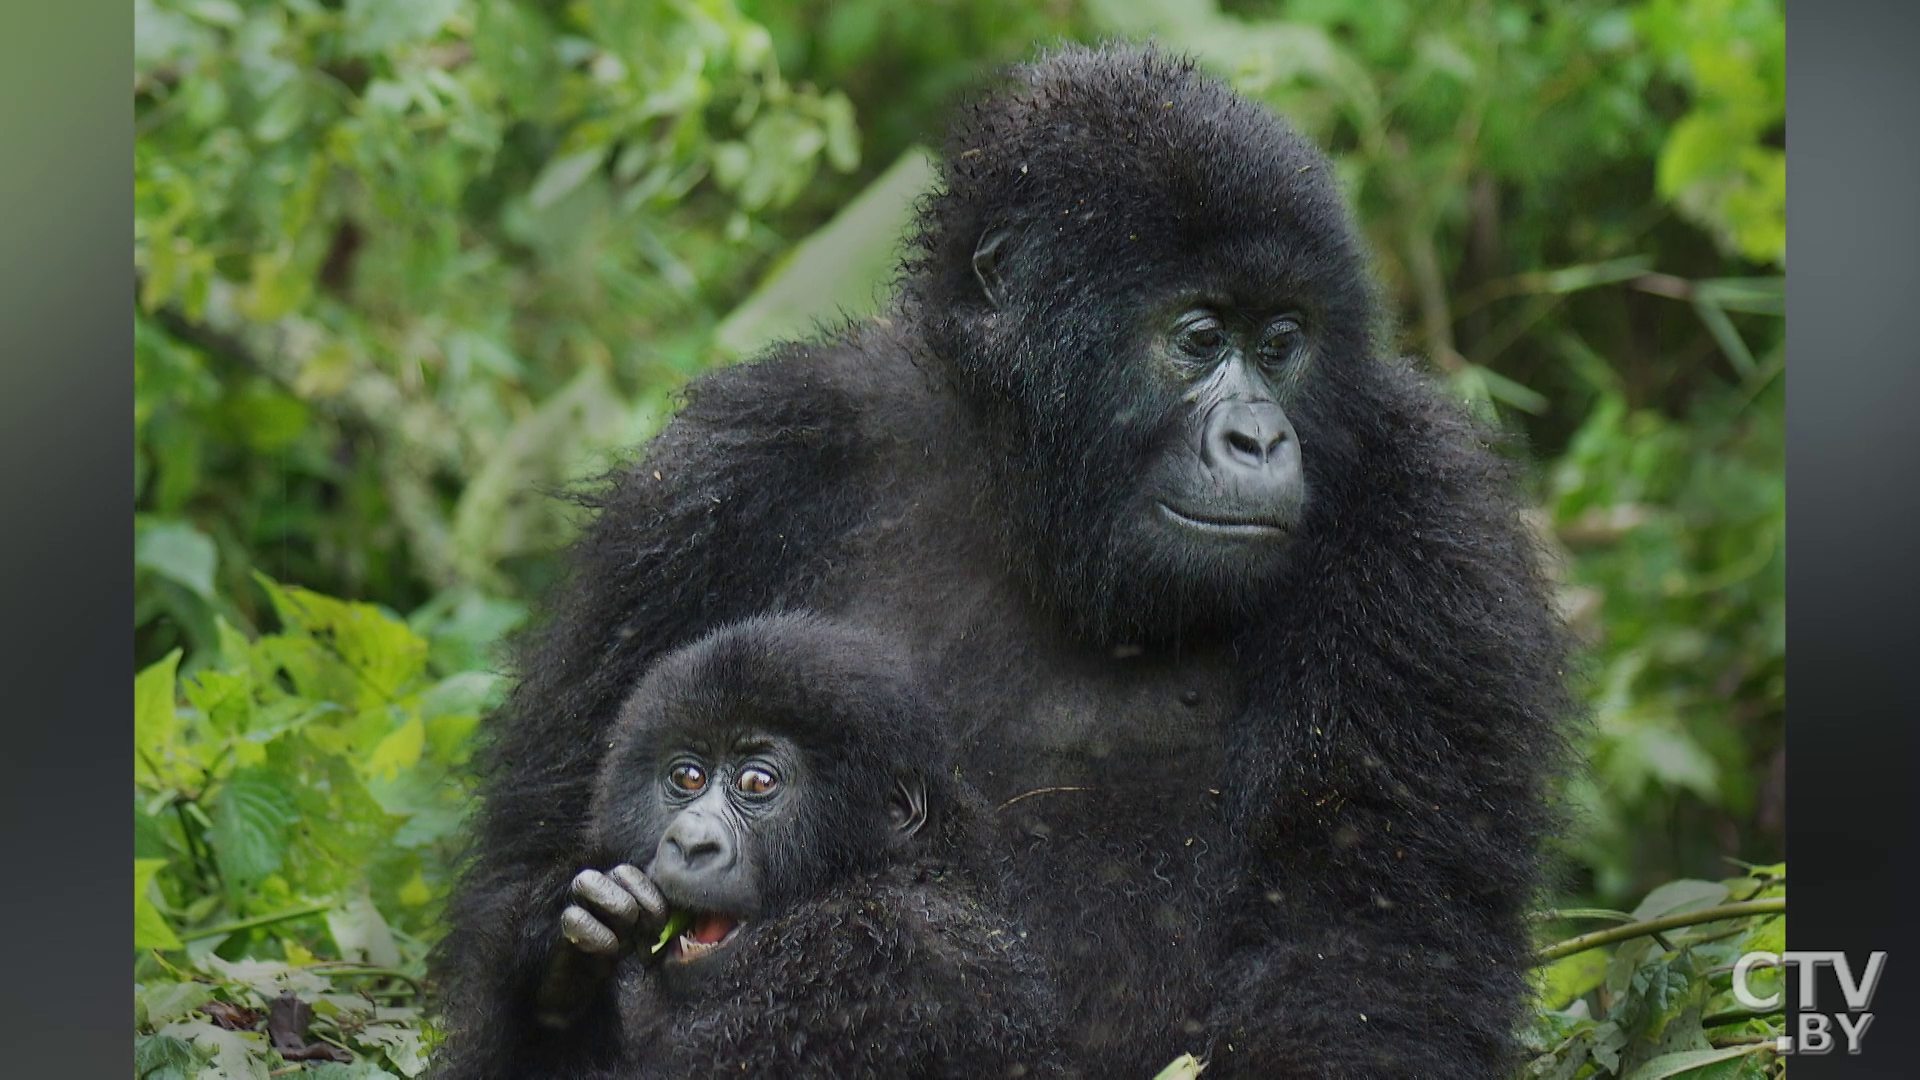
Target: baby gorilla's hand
x=609 y=912
x=612 y=910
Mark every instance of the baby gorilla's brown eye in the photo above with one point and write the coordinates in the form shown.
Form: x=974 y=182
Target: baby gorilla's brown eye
x=687 y=777
x=755 y=780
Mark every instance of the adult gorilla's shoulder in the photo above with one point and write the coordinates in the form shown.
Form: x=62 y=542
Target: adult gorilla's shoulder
x=1238 y=624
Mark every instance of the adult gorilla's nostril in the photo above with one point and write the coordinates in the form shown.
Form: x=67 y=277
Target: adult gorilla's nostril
x=1245 y=434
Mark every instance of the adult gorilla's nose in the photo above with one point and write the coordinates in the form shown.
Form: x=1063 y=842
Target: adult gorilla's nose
x=1254 y=436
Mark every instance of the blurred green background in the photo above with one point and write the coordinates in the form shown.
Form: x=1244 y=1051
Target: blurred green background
x=406 y=267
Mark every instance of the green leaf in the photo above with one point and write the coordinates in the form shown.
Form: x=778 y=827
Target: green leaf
x=224 y=698
x=234 y=1055
x=177 y=551
x=563 y=174
x=676 y=922
x=1184 y=1067
x=166 y=1002
x=1687 y=1061
x=252 y=815
x=351 y=653
x=399 y=750
x=361 y=933
x=403 y=1046
x=1571 y=976
x=150 y=929
x=163 y=1057
x=374 y=26
x=551 y=445
x=156 y=726
x=1677 y=896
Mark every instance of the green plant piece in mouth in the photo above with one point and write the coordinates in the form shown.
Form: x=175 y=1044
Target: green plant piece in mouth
x=676 y=922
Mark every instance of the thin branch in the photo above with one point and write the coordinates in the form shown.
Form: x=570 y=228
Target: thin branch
x=1772 y=906
x=257 y=920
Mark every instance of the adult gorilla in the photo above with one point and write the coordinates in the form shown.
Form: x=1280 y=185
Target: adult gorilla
x=1238 y=623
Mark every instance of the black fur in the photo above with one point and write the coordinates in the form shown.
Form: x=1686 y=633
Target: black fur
x=1285 y=816
x=875 y=955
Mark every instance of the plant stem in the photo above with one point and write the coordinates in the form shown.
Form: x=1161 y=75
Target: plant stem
x=257 y=920
x=1772 y=906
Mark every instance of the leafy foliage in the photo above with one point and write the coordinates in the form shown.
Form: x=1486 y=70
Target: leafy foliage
x=404 y=268
x=298 y=786
x=401 y=263
x=1659 y=1002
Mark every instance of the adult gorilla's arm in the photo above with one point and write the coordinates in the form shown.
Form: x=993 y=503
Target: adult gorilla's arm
x=1401 y=728
x=728 y=515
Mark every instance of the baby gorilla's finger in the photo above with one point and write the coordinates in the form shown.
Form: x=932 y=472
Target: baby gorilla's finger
x=587 y=933
x=615 y=905
x=643 y=890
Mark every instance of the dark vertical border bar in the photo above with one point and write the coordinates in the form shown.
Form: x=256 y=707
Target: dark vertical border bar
x=1853 y=499
x=66 y=572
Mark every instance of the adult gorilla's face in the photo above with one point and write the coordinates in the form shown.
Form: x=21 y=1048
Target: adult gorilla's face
x=1229 y=479
x=1155 y=436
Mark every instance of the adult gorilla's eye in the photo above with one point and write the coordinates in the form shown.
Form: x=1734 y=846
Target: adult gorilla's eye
x=687 y=777
x=754 y=780
x=1279 y=340
x=1201 y=338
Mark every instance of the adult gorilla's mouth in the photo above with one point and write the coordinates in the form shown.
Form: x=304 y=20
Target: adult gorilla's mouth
x=1224 y=526
x=704 y=932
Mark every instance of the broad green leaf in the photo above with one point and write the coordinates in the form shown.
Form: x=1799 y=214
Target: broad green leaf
x=1766 y=935
x=1678 y=896
x=366 y=647
x=177 y=551
x=402 y=1045
x=163 y=1057
x=166 y=1002
x=267 y=979
x=252 y=814
x=225 y=699
x=155 y=723
x=399 y=750
x=374 y=26
x=415 y=892
x=361 y=933
x=1571 y=976
x=234 y=1055
x=150 y=929
x=1688 y=1061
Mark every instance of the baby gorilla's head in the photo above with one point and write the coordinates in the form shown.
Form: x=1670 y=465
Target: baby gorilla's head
x=761 y=765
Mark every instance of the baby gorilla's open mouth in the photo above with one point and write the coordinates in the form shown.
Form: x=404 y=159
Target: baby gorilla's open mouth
x=700 y=933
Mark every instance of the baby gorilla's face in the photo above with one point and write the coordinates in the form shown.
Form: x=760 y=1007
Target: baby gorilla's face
x=728 y=807
x=750 y=771
x=735 y=822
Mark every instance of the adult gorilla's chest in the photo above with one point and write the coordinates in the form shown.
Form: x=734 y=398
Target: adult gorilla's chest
x=1101 y=765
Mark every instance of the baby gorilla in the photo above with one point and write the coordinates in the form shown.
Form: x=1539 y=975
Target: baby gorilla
x=795 y=876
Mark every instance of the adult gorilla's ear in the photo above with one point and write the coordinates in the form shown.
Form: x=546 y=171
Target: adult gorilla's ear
x=986 y=264
x=907 y=808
